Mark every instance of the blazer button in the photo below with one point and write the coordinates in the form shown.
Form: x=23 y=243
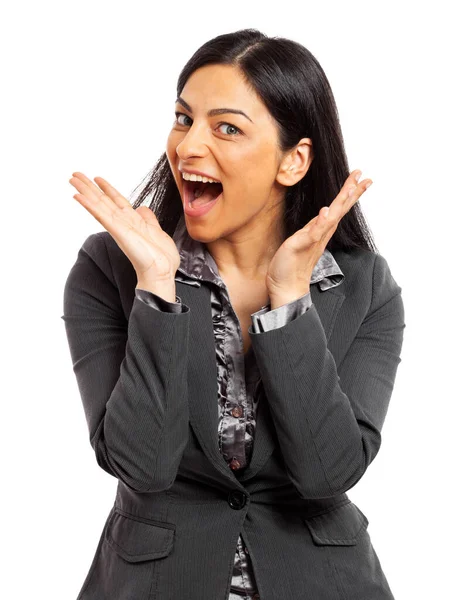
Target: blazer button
x=236 y=499
x=234 y=464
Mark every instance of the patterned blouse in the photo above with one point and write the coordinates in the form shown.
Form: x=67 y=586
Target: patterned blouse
x=238 y=374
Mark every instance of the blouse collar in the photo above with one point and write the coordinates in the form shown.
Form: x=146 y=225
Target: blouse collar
x=197 y=263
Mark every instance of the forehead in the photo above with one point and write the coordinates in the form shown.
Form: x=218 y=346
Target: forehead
x=217 y=86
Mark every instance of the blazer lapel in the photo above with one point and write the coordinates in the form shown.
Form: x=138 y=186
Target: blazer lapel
x=202 y=377
x=202 y=374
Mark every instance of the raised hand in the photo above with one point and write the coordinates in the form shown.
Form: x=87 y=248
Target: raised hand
x=151 y=251
x=290 y=270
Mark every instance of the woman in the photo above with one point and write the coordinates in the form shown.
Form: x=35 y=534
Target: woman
x=262 y=280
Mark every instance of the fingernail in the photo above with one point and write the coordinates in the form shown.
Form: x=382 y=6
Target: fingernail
x=358 y=175
x=368 y=184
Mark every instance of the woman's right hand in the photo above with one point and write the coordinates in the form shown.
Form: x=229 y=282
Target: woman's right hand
x=151 y=251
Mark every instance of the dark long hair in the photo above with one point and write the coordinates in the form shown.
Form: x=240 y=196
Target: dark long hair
x=293 y=86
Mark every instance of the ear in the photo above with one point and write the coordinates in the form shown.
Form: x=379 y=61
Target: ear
x=296 y=163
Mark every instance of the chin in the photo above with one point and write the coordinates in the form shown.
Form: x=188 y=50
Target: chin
x=200 y=233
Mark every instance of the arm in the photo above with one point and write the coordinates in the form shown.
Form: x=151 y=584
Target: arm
x=131 y=376
x=328 y=419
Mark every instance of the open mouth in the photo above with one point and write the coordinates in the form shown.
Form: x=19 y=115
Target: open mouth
x=197 y=193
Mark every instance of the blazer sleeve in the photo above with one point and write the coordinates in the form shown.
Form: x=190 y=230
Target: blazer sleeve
x=328 y=418
x=132 y=375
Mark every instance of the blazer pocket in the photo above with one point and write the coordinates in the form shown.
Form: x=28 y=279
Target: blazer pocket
x=136 y=539
x=351 y=566
x=126 y=563
x=342 y=526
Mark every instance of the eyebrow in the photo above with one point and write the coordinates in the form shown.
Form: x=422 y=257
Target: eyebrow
x=214 y=111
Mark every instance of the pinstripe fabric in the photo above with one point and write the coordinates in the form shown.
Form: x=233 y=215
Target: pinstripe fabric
x=147 y=379
x=238 y=374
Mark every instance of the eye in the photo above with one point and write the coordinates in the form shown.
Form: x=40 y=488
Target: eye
x=232 y=126
x=178 y=115
x=237 y=130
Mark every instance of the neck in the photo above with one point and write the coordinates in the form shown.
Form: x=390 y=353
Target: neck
x=247 y=252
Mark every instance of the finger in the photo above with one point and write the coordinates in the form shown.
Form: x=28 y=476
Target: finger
x=350 y=188
x=350 y=193
x=315 y=229
x=107 y=193
x=90 y=190
x=116 y=215
x=324 y=220
x=88 y=182
x=98 y=203
x=355 y=187
x=355 y=192
x=110 y=190
x=325 y=224
x=98 y=209
x=148 y=215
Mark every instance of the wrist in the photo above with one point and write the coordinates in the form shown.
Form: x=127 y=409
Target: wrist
x=281 y=299
x=164 y=289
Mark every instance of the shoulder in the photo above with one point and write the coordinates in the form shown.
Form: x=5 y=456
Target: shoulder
x=102 y=262
x=102 y=249
x=96 y=243
x=93 y=261
x=93 y=255
x=354 y=261
x=361 y=264
x=102 y=279
x=367 y=274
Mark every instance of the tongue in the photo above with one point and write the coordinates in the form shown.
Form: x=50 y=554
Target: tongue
x=210 y=192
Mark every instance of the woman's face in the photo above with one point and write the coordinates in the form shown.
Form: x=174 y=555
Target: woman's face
x=241 y=152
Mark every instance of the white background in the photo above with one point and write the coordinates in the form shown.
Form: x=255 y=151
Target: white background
x=90 y=87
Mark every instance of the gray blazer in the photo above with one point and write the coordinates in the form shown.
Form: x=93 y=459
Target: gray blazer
x=147 y=379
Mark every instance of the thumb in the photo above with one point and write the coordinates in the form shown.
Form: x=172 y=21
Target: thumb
x=147 y=214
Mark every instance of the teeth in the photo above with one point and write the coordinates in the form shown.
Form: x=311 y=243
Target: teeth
x=194 y=177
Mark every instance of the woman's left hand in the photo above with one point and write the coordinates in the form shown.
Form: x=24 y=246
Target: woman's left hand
x=290 y=270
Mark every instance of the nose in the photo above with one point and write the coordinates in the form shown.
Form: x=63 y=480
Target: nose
x=194 y=142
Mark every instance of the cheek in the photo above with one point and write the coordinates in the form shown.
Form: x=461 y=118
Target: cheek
x=256 y=166
x=243 y=171
x=173 y=140
x=254 y=180
x=170 y=147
